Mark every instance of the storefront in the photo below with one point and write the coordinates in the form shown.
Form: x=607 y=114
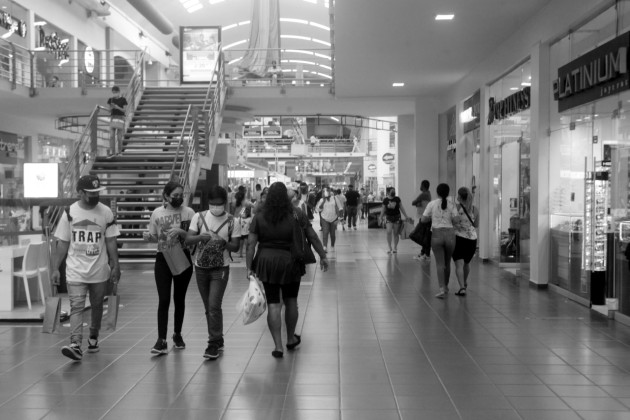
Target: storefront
x=589 y=164
x=508 y=140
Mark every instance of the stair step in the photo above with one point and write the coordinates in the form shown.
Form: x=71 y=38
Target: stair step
x=133 y=180
x=146 y=159
x=129 y=230
x=149 y=204
x=102 y=172
x=120 y=213
x=125 y=222
x=120 y=186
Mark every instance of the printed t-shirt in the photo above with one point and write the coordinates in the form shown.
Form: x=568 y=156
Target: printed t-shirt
x=87 y=260
x=163 y=219
x=464 y=228
x=392 y=206
x=213 y=222
x=441 y=218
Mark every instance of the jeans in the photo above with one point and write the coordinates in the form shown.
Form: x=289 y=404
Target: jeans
x=425 y=229
x=77 y=293
x=212 y=283
x=443 y=244
x=328 y=228
x=352 y=216
x=163 y=280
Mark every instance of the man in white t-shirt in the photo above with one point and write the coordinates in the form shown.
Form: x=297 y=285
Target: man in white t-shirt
x=87 y=233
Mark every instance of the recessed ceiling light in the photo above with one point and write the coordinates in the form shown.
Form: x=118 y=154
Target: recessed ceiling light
x=444 y=17
x=514 y=88
x=398 y=84
x=526 y=84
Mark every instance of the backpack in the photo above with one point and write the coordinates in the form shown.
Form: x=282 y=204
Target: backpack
x=210 y=253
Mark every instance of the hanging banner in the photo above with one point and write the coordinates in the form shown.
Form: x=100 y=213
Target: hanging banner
x=472 y=112
x=198 y=53
x=451 y=126
x=241 y=150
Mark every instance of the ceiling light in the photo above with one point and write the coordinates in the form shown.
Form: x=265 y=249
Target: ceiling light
x=526 y=84
x=514 y=88
x=40 y=23
x=444 y=17
x=398 y=84
x=302 y=21
x=194 y=8
x=317 y=25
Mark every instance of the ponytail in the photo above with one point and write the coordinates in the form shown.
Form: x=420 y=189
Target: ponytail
x=442 y=191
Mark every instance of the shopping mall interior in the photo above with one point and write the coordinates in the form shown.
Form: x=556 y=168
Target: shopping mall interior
x=520 y=102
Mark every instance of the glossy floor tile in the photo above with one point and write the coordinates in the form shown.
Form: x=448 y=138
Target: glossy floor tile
x=376 y=344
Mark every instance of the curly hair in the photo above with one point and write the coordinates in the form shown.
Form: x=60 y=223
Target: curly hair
x=277 y=205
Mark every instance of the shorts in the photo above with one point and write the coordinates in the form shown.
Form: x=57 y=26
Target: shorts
x=464 y=249
x=393 y=219
x=243 y=237
x=272 y=291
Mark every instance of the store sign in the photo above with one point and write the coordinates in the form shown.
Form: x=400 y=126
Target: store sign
x=252 y=131
x=53 y=44
x=272 y=131
x=599 y=73
x=472 y=112
x=198 y=53
x=451 y=127
x=513 y=104
x=88 y=60
x=388 y=158
x=9 y=147
x=12 y=24
x=371 y=167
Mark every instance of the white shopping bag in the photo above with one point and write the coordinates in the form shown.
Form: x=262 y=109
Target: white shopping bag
x=253 y=303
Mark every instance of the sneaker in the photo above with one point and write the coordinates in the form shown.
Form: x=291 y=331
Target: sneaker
x=221 y=345
x=73 y=351
x=179 y=341
x=161 y=347
x=212 y=352
x=425 y=258
x=92 y=345
x=442 y=294
x=325 y=249
x=355 y=228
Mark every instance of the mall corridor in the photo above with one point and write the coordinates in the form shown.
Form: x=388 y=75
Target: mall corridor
x=376 y=345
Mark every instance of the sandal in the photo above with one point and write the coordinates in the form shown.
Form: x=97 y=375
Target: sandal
x=277 y=354
x=297 y=343
x=461 y=292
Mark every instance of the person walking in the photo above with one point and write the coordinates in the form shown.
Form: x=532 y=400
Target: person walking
x=117 y=105
x=341 y=203
x=391 y=217
x=465 y=238
x=328 y=209
x=421 y=203
x=216 y=235
x=443 y=215
x=241 y=209
x=86 y=233
x=272 y=231
x=353 y=201
x=168 y=227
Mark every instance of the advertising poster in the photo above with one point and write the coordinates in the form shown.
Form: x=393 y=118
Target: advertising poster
x=199 y=52
x=252 y=131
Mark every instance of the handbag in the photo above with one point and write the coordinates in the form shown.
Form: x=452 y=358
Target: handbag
x=417 y=235
x=176 y=259
x=253 y=303
x=210 y=254
x=301 y=250
x=406 y=228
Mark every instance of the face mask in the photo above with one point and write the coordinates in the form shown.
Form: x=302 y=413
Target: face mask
x=217 y=210
x=177 y=201
x=326 y=194
x=93 y=201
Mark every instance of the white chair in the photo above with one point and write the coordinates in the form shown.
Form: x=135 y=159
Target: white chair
x=44 y=268
x=30 y=268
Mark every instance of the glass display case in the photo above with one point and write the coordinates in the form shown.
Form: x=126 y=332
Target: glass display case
x=567 y=235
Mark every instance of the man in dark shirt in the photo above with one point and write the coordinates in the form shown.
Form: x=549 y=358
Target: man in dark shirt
x=425 y=228
x=353 y=201
x=117 y=104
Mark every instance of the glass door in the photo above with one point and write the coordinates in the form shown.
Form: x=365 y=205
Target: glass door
x=620 y=222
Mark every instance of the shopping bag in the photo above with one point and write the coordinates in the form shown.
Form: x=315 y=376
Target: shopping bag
x=406 y=227
x=52 y=313
x=418 y=234
x=176 y=259
x=111 y=316
x=253 y=303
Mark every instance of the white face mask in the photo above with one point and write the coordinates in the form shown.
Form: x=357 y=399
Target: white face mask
x=216 y=210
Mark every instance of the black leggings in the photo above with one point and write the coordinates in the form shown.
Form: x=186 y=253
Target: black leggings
x=163 y=280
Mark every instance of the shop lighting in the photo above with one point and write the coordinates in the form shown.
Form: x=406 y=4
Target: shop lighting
x=234 y=44
x=319 y=41
x=40 y=23
x=514 y=88
x=317 y=25
x=8 y=34
x=245 y=22
x=466 y=116
x=304 y=38
x=398 y=84
x=225 y=28
x=526 y=84
x=302 y=21
x=321 y=84
x=444 y=17
x=65 y=41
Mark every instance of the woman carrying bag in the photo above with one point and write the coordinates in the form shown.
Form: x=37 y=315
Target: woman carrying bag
x=272 y=230
x=167 y=227
x=465 y=238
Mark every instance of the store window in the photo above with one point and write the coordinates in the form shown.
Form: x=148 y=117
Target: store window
x=589 y=163
x=509 y=140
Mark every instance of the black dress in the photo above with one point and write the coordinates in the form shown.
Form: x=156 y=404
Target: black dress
x=273 y=262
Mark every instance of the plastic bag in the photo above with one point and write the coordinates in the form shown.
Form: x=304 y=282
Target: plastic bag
x=253 y=303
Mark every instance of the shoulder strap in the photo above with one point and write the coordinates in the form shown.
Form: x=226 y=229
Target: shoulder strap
x=68 y=214
x=468 y=215
x=202 y=216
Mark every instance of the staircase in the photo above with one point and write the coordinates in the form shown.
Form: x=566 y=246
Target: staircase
x=135 y=178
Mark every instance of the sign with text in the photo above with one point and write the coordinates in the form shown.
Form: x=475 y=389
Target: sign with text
x=199 y=52
x=513 y=104
x=388 y=158
x=252 y=131
x=599 y=73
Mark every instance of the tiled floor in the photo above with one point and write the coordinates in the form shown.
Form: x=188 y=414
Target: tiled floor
x=376 y=345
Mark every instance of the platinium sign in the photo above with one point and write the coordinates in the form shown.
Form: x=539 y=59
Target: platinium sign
x=596 y=74
x=513 y=104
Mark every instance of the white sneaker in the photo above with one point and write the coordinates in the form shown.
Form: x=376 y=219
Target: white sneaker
x=332 y=249
x=325 y=249
x=442 y=294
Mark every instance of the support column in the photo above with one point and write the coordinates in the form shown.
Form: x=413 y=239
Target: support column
x=406 y=153
x=427 y=153
x=539 y=177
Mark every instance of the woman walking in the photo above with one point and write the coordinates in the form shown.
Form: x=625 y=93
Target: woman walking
x=241 y=209
x=167 y=227
x=391 y=217
x=465 y=238
x=216 y=235
x=328 y=208
x=442 y=214
x=272 y=231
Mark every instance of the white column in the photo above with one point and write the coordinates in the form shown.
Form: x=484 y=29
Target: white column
x=539 y=177
x=406 y=155
x=486 y=185
x=427 y=165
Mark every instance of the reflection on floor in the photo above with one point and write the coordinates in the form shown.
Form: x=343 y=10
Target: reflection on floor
x=376 y=345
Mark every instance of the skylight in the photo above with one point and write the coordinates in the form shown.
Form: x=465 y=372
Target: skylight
x=191 y=6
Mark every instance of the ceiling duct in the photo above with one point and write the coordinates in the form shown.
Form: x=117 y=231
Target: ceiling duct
x=147 y=10
x=98 y=7
x=175 y=41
